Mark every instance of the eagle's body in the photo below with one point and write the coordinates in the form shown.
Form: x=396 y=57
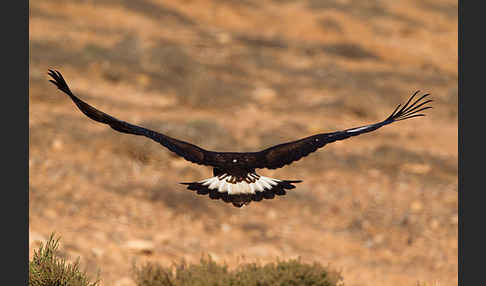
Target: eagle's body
x=235 y=179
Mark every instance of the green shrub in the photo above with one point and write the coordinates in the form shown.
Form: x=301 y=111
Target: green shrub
x=292 y=272
x=46 y=268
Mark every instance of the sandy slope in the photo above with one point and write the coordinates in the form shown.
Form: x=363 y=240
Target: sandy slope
x=240 y=76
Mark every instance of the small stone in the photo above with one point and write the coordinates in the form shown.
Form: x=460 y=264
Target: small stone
x=417 y=168
x=379 y=238
x=272 y=214
x=57 y=144
x=434 y=224
x=142 y=246
x=125 y=281
x=264 y=94
x=416 y=206
x=259 y=251
x=223 y=38
x=50 y=213
x=98 y=252
x=225 y=227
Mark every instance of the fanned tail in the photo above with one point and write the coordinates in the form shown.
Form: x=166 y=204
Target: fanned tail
x=241 y=193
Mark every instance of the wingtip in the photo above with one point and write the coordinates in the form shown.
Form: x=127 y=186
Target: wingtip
x=52 y=72
x=411 y=109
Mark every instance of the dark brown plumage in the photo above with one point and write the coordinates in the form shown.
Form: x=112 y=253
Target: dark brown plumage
x=235 y=178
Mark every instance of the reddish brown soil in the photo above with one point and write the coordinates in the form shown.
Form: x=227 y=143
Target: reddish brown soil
x=241 y=76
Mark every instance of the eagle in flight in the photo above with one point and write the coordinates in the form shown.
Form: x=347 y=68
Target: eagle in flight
x=235 y=179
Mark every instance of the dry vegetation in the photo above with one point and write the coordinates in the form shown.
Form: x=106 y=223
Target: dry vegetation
x=240 y=76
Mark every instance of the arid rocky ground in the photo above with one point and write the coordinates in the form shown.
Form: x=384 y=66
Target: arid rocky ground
x=242 y=76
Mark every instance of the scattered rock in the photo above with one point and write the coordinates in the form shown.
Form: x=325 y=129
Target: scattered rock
x=264 y=94
x=259 y=251
x=57 y=144
x=98 y=252
x=225 y=227
x=416 y=168
x=141 y=246
x=125 y=281
x=416 y=206
x=224 y=38
x=379 y=238
x=434 y=224
x=271 y=214
x=50 y=213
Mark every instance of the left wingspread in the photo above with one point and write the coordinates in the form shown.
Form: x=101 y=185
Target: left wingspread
x=186 y=150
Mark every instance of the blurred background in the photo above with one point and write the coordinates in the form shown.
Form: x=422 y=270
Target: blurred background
x=242 y=76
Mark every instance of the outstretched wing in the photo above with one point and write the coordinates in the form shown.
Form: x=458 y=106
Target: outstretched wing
x=189 y=151
x=286 y=153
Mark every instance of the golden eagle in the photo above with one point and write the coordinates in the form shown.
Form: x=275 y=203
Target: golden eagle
x=235 y=179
